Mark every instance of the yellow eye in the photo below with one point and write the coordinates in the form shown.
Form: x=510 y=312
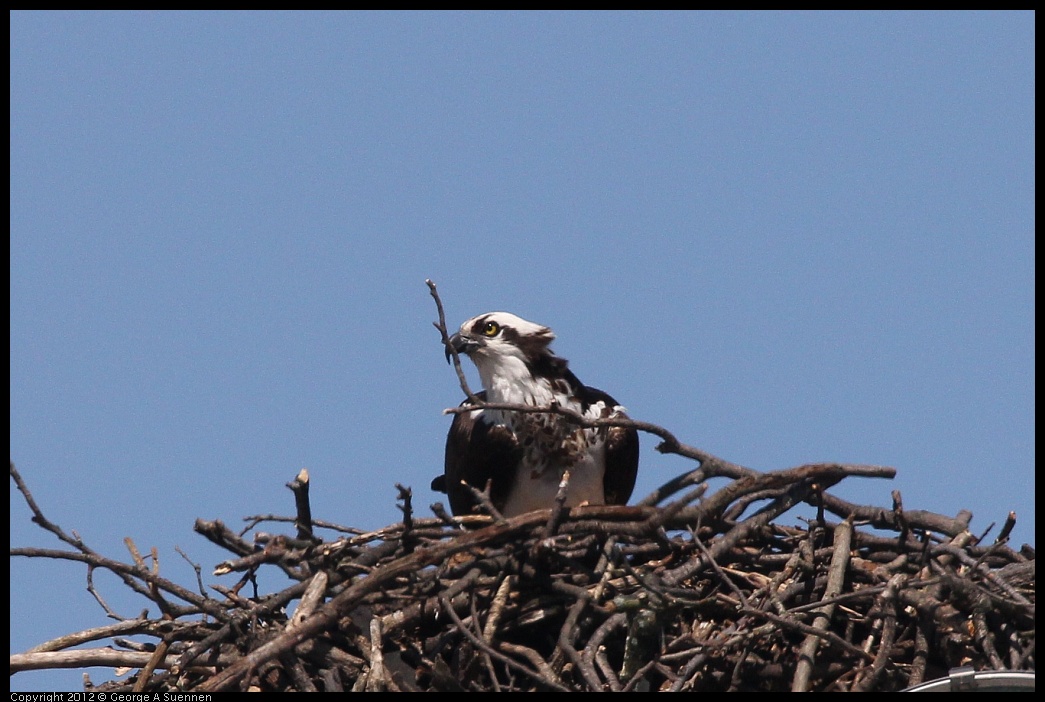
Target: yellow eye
x=491 y=329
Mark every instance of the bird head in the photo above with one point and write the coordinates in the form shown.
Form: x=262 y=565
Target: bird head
x=502 y=345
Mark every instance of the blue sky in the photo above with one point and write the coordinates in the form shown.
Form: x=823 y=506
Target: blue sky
x=786 y=237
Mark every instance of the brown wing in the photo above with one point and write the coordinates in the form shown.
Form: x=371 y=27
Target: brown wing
x=622 y=453
x=622 y=464
x=477 y=453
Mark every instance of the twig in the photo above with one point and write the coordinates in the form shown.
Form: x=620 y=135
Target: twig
x=445 y=336
x=835 y=580
x=299 y=486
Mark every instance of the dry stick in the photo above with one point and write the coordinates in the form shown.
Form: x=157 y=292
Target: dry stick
x=671 y=487
x=217 y=533
x=441 y=326
x=688 y=671
x=977 y=566
x=606 y=668
x=109 y=611
x=884 y=519
x=723 y=578
x=325 y=653
x=196 y=568
x=640 y=676
x=270 y=604
x=1015 y=655
x=1010 y=523
x=299 y=486
x=773 y=588
x=95 y=657
x=535 y=660
x=920 y=656
x=829 y=636
x=145 y=676
x=129 y=574
x=564 y=646
x=711 y=465
x=129 y=626
x=668 y=512
x=888 y=605
x=983 y=635
x=407 y=536
x=497 y=605
x=377 y=680
x=297 y=673
x=331 y=680
x=557 y=511
x=718 y=502
x=203 y=646
x=594 y=648
x=275 y=553
x=862 y=594
x=475 y=619
x=835 y=581
x=482 y=497
x=40 y=519
x=484 y=646
x=567 y=635
x=255 y=519
x=313 y=596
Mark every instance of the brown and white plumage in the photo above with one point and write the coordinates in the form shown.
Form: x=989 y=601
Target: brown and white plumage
x=521 y=455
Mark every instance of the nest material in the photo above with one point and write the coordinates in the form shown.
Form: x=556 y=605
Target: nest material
x=706 y=592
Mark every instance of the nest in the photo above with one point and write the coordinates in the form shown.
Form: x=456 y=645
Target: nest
x=691 y=589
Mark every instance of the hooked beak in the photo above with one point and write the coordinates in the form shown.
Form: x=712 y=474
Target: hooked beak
x=460 y=344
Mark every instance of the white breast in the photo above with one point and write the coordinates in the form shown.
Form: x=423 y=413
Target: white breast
x=552 y=445
x=536 y=490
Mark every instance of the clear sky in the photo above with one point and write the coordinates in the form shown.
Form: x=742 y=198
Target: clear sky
x=786 y=237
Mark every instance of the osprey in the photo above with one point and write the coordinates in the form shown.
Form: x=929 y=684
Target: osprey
x=522 y=455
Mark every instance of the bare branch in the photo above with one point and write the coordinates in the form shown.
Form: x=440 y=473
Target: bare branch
x=445 y=336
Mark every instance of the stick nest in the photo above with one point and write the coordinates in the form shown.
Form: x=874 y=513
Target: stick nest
x=685 y=591
x=691 y=589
